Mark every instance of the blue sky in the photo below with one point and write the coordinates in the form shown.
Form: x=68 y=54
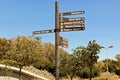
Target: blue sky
x=102 y=21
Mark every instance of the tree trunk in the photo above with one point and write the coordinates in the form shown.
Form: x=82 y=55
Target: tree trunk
x=20 y=73
x=71 y=78
x=91 y=72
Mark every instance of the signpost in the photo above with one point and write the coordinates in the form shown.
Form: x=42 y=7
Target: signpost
x=63 y=24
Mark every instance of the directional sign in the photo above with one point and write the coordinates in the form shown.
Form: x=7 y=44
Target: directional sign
x=72 y=29
x=72 y=13
x=69 y=23
x=43 y=31
x=72 y=26
x=72 y=22
x=63 y=42
x=72 y=19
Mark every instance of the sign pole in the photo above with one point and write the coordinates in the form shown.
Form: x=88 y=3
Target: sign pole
x=57 y=62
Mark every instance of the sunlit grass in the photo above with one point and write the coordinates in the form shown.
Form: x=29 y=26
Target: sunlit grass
x=102 y=76
x=42 y=73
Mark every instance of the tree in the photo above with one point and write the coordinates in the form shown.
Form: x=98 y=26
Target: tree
x=84 y=58
x=92 y=55
x=70 y=67
x=74 y=62
x=25 y=51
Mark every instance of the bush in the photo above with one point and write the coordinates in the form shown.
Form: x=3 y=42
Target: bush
x=85 y=72
x=117 y=71
x=9 y=63
x=50 y=67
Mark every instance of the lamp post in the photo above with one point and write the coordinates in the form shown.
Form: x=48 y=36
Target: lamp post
x=107 y=57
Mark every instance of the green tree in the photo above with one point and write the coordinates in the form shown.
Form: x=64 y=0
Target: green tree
x=74 y=62
x=69 y=67
x=92 y=55
x=84 y=57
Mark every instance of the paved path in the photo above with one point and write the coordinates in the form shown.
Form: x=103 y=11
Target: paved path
x=24 y=71
x=7 y=78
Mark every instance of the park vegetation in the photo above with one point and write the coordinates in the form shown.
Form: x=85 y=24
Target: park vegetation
x=83 y=63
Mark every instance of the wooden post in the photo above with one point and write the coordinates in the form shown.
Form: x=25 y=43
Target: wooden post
x=57 y=62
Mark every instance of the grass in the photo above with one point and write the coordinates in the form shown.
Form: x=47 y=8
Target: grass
x=102 y=76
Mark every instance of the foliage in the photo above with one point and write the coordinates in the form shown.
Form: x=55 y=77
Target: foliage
x=101 y=66
x=118 y=57
x=92 y=57
x=48 y=58
x=84 y=73
x=47 y=61
x=70 y=67
x=9 y=63
x=82 y=59
x=64 y=59
x=5 y=46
